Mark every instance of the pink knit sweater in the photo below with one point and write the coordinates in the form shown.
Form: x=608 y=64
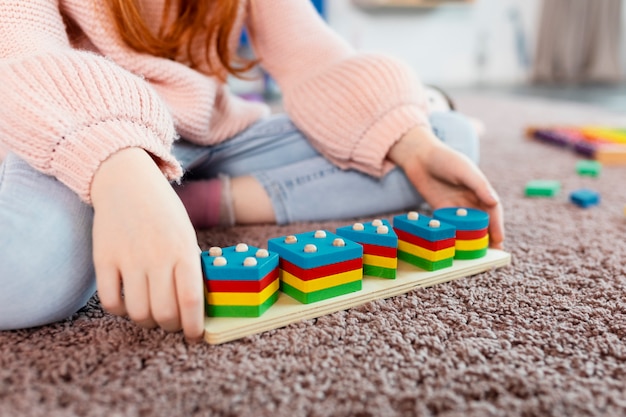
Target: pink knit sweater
x=71 y=98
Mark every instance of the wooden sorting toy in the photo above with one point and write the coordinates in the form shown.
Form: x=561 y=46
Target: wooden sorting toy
x=320 y=272
x=288 y=310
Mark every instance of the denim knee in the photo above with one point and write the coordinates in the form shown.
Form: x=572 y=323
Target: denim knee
x=46 y=267
x=457 y=131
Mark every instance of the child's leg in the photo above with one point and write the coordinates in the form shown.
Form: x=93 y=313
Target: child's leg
x=314 y=189
x=46 y=268
x=290 y=177
x=270 y=142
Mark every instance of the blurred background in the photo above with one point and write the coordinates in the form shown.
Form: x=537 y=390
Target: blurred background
x=568 y=49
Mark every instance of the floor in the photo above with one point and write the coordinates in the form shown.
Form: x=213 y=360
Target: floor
x=611 y=96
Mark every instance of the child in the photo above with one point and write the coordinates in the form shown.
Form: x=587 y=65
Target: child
x=96 y=92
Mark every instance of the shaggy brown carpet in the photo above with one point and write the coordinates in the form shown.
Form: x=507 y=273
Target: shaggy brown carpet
x=545 y=336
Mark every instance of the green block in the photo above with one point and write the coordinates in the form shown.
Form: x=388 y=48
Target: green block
x=542 y=188
x=241 y=311
x=425 y=263
x=313 y=296
x=588 y=168
x=379 y=271
x=470 y=254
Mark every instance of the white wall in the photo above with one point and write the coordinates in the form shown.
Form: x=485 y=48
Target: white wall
x=453 y=45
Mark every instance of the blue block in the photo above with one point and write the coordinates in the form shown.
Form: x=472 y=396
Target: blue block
x=370 y=235
x=234 y=270
x=584 y=197
x=326 y=253
x=421 y=228
x=472 y=220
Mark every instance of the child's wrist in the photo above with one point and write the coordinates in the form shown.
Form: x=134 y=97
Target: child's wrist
x=415 y=143
x=112 y=172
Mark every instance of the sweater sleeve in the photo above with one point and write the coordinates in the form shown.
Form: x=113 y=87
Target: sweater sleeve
x=66 y=111
x=352 y=106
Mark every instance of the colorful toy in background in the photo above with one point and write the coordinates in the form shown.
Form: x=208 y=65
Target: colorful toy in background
x=603 y=144
x=584 y=197
x=245 y=281
x=587 y=168
x=542 y=188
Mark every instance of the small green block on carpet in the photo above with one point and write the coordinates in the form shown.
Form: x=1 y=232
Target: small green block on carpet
x=588 y=168
x=542 y=188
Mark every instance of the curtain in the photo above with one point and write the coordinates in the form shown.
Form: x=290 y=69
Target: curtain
x=578 y=42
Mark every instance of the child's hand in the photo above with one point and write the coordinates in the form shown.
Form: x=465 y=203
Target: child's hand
x=445 y=177
x=145 y=249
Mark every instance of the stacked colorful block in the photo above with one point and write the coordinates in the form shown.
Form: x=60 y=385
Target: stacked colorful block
x=380 y=247
x=240 y=281
x=424 y=242
x=318 y=265
x=472 y=237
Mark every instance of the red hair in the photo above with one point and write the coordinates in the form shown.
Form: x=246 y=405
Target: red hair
x=193 y=19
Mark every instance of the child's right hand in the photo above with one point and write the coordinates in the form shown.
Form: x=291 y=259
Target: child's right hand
x=445 y=177
x=146 y=254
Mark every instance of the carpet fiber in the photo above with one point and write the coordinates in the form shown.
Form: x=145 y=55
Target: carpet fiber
x=545 y=336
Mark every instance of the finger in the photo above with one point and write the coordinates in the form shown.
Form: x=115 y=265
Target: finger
x=190 y=293
x=488 y=199
x=136 y=299
x=490 y=202
x=478 y=183
x=163 y=300
x=485 y=198
x=496 y=226
x=109 y=285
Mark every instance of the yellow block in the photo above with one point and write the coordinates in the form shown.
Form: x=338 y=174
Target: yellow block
x=321 y=283
x=473 y=244
x=430 y=255
x=242 y=298
x=609 y=135
x=382 y=261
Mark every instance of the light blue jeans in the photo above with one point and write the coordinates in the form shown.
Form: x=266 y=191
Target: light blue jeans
x=46 y=268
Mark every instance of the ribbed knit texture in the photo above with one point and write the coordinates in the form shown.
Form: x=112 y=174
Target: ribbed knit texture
x=70 y=100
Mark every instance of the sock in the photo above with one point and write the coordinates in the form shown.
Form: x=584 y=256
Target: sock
x=208 y=202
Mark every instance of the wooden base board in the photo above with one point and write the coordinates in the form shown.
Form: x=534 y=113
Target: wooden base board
x=287 y=310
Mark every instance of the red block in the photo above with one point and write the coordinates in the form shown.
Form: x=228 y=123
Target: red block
x=321 y=271
x=241 y=285
x=423 y=243
x=471 y=234
x=385 y=251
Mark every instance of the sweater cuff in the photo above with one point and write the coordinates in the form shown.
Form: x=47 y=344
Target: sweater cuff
x=370 y=154
x=79 y=154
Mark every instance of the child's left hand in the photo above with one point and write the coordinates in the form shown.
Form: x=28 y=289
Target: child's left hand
x=445 y=177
